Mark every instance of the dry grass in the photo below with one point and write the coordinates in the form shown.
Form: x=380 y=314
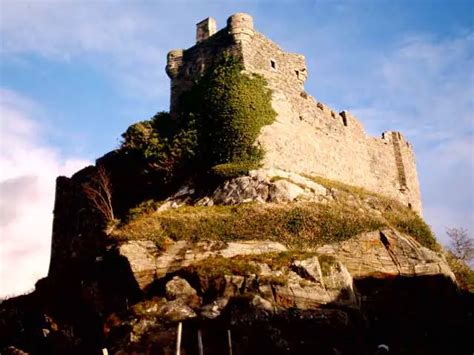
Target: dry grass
x=298 y=225
x=302 y=225
x=219 y=266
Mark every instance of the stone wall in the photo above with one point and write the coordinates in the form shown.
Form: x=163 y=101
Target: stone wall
x=184 y=67
x=78 y=229
x=307 y=137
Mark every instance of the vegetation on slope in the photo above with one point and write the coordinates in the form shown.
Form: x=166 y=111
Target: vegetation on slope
x=166 y=146
x=299 y=225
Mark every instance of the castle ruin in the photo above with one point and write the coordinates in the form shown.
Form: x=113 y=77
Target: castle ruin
x=307 y=137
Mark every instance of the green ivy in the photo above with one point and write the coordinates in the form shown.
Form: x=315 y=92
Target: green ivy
x=233 y=106
x=218 y=123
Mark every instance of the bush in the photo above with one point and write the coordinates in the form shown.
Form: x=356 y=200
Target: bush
x=166 y=145
x=217 y=125
x=463 y=272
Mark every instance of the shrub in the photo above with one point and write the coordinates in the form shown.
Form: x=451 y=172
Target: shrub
x=166 y=145
x=217 y=125
x=463 y=272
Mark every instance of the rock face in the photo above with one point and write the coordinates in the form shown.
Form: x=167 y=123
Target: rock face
x=384 y=253
x=323 y=278
x=264 y=185
x=379 y=286
x=336 y=287
x=387 y=253
x=148 y=264
x=327 y=277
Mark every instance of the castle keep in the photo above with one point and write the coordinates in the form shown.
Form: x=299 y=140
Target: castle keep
x=307 y=137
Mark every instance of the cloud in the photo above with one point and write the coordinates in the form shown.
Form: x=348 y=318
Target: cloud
x=127 y=41
x=28 y=168
x=115 y=39
x=425 y=89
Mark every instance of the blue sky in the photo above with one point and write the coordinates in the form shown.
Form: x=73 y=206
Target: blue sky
x=75 y=74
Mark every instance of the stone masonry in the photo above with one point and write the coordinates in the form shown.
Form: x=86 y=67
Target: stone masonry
x=307 y=137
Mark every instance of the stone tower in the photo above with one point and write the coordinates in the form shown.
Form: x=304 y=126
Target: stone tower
x=307 y=137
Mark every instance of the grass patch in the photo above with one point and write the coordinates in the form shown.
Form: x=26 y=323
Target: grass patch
x=219 y=266
x=300 y=225
x=394 y=213
x=408 y=222
x=145 y=207
x=463 y=272
x=337 y=185
x=278 y=261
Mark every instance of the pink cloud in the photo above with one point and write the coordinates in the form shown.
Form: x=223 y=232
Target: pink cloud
x=28 y=169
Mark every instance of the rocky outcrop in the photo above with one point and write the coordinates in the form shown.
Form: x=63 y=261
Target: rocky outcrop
x=147 y=263
x=331 y=288
x=264 y=185
x=271 y=185
x=326 y=277
x=384 y=253
x=387 y=253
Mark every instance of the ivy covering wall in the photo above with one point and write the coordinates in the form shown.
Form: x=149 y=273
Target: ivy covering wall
x=216 y=127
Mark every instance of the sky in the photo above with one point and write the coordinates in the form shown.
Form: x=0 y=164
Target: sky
x=75 y=74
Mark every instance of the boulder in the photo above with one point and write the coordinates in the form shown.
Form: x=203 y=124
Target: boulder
x=177 y=310
x=271 y=185
x=141 y=255
x=285 y=191
x=214 y=309
x=11 y=350
x=178 y=288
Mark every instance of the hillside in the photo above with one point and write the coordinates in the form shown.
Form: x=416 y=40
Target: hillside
x=288 y=263
x=233 y=217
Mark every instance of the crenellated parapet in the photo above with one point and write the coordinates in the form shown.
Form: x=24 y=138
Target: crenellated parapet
x=240 y=27
x=205 y=29
x=174 y=63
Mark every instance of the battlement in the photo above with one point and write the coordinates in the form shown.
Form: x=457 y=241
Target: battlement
x=205 y=29
x=308 y=137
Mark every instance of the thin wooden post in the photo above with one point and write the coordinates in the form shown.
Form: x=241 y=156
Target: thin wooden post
x=201 y=350
x=229 y=340
x=178 y=339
